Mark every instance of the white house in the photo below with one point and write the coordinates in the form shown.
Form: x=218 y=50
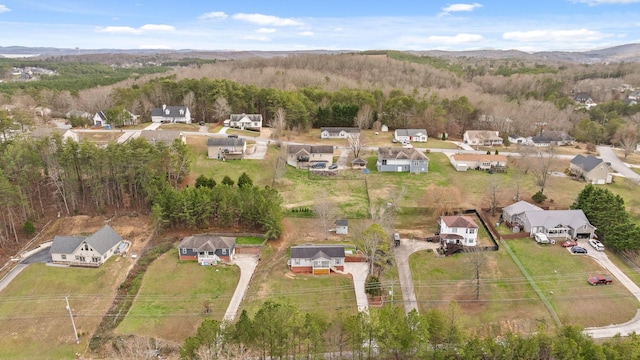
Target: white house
x=85 y=251
x=517 y=139
x=342 y=227
x=317 y=259
x=482 y=137
x=171 y=114
x=244 y=121
x=458 y=229
x=338 y=132
x=410 y=135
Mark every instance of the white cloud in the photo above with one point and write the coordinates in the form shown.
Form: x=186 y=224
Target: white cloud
x=256 y=38
x=266 y=30
x=576 y=35
x=261 y=19
x=459 y=7
x=216 y=15
x=306 y=33
x=4 y=9
x=601 y=2
x=130 y=30
x=456 y=39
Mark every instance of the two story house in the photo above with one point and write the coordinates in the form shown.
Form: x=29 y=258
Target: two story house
x=591 y=169
x=91 y=251
x=171 y=114
x=458 y=229
x=402 y=160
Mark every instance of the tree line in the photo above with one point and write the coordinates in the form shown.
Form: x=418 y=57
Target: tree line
x=281 y=331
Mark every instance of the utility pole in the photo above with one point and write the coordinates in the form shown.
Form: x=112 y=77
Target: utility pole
x=75 y=331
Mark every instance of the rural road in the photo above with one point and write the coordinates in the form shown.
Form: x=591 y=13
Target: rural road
x=608 y=155
x=623 y=329
x=402 y=253
x=359 y=272
x=247 y=265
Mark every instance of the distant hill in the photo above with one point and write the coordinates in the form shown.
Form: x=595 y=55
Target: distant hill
x=622 y=53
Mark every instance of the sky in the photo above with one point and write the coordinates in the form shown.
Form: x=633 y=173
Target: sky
x=288 y=25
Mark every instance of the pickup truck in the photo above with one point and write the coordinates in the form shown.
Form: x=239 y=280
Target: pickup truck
x=600 y=280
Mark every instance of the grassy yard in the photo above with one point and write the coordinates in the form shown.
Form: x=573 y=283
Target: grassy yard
x=180 y=127
x=562 y=277
x=33 y=312
x=507 y=302
x=171 y=302
x=249 y=240
x=100 y=137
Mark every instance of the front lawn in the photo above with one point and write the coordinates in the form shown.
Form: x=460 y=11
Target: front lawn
x=175 y=295
x=33 y=313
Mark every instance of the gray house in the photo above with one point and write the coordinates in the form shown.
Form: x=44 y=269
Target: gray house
x=402 y=160
x=553 y=223
x=226 y=148
x=514 y=213
x=90 y=251
x=316 y=259
x=207 y=249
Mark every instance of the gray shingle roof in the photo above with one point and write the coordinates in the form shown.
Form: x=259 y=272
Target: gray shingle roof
x=207 y=242
x=552 y=218
x=226 y=142
x=411 y=132
x=250 y=117
x=65 y=244
x=174 y=111
x=342 y=222
x=311 y=149
x=101 y=241
x=520 y=207
x=587 y=163
x=311 y=251
x=160 y=135
x=336 y=130
x=388 y=153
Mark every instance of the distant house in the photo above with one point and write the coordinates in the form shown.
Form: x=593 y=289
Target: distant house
x=228 y=148
x=100 y=119
x=384 y=128
x=591 y=169
x=207 y=249
x=487 y=162
x=402 y=160
x=482 y=138
x=638 y=147
x=244 y=121
x=166 y=137
x=358 y=163
x=584 y=99
x=316 y=259
x=303 y=156
x=517 y=139
x=342 y=227
x=67 y=134
x=410 y=135
x=338 y=132
x=458 y=229
x=171 y=114
x=635 y=95
x=551 y=138
x=78 y=114
x=91 y=251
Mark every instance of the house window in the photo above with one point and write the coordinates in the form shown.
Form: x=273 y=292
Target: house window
x=184 y=250
x=384 y=162
x=472 y=231
x=338 y=261
x=297 y=262
x=63 y=257
x=224 y=251
x=95 y=259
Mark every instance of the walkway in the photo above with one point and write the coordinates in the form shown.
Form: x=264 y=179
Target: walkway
x=359 y=272
x=342 y=159
x=247 y=265
x=402 y=253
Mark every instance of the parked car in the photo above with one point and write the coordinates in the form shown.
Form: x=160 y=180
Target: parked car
x=319 y=165
x=596 y=244
x=578 y=250
x=570 y=243
x=333 y=166
x=599 y=280
x=541 y=238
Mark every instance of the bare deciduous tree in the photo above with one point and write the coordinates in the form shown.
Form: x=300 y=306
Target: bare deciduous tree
x=221 y=108
x=325 y=209
x=278 y=123
x=627 y=137
x=443 y=199
x=476 y=260
x=364 y=116
x=355 y=144
x=493 y=195
x=541 y=167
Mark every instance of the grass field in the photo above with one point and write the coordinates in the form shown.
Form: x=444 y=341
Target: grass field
x=36 y=323
x=563 y=278
x=171 y=302
x=507 y=303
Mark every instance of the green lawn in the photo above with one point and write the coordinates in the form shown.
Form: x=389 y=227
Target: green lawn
x=507 y=303
x=249 y=240
x=36 y=323
x=171 y=302
x=562 y=277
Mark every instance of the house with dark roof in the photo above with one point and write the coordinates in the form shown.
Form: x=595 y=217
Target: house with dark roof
x=482 y=138
x=410 y=135
x=207 y=249
x=634 y=95
x=304 y=156
x=229 y=148
x=66 y=134
x=338 y=132
x=166 y=137
x=358 y=163
x=342 y=226
x=244 y=121
x=591 y=169
x=486 y=162
x=171 y=114
x=584 y=99
x=100 y=119
x=402 y=160
x=458 y=229
x=91 y=251
x=316 y=259
x=551 y=138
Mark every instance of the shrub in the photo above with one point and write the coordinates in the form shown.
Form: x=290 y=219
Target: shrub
x=29 y=228
x=539 y=197
x=373 y=287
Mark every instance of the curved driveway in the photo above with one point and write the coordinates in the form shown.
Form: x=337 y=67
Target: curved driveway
x=608 y=155
x=402 y=253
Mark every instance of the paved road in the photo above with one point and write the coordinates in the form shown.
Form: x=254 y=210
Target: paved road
x=402 y=253
x=623 y=329
x=359 y=272
x=608 y=155
x=247 y=265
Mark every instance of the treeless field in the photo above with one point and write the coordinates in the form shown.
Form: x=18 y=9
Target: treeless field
x=100 y=137
x=174 y=296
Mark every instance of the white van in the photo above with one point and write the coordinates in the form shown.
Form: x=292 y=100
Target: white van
x=596 y=244
x=541 y=238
